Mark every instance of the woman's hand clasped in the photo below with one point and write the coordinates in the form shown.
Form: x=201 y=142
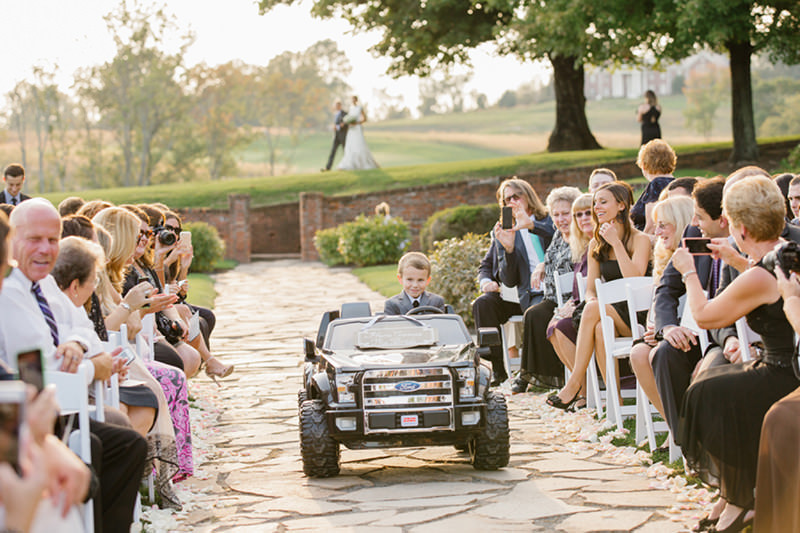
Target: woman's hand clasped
x=610 y=233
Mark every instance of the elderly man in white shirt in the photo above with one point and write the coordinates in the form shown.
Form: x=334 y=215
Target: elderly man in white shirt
x=24 y=325
x=36 y=314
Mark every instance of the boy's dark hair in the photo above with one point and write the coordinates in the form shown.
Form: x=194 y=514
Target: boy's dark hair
x=78 y=226
x=795 y=180
x=683 y=183
x=14 y=170
x=70 y=205
x=708 y=195
x=416 y=260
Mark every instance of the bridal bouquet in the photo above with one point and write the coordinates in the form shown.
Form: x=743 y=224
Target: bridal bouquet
x=352 y=118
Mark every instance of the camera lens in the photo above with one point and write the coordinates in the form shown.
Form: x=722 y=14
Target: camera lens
x=166 y=237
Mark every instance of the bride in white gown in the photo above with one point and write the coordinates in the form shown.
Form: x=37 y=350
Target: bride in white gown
x=356 y=152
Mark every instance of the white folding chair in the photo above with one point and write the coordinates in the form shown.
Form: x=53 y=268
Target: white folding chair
x=563 y=283
x=145 y=339
x=509 y=294
x=73 y=397
x=645 y=410
x=746 y=337
x=638 y=292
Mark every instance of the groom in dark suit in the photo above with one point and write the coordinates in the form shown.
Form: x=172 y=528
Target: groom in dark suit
x=339 y=132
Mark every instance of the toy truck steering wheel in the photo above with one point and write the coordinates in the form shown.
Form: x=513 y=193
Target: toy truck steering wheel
x=425 y=309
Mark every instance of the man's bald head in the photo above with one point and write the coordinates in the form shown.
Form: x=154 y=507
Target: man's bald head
x=34 y=243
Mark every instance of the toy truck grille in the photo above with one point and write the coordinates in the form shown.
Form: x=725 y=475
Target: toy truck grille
x=407 y=400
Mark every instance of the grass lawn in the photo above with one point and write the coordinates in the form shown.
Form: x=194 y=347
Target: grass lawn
x=381 y=278
x=279 y=189
x=201 y=290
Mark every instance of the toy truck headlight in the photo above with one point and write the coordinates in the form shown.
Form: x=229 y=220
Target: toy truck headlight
x=343 y=391
x=466 y=378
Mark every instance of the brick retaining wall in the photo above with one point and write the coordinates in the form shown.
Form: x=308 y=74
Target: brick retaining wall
x=289 y=228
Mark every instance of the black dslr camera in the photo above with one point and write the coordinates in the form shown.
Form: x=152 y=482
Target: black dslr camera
x=165 y=236
x=786 y=255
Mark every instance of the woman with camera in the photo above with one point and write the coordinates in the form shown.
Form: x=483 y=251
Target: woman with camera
x=174 y=254
x=722 y=412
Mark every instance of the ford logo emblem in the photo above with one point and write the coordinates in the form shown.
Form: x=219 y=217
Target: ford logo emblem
x=407 y=386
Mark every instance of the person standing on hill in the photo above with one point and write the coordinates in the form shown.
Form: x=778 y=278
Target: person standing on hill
x=339 y=132
x=648 y=114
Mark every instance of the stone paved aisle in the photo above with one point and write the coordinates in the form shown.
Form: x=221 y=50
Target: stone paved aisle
x=249 y=475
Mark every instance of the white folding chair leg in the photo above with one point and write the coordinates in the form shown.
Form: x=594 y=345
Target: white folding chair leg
x=674 y=450
x=644 y=422
x=593 y=397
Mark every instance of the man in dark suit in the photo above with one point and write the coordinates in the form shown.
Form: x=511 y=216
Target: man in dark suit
x=14 y=178
x=678 y=353
x=339 y=132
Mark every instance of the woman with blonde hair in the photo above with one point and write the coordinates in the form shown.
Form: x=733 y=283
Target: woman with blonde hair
x=671 y=217
x=561 y=330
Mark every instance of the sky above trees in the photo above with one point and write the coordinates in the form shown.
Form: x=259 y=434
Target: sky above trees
x=49 y=32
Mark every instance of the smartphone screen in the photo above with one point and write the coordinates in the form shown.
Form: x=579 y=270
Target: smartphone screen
x=29 y=366
x=507 y=218
x=12 y=400
x=127 y=355
x=697 y=245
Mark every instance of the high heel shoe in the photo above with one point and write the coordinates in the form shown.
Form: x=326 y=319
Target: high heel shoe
x=705 y=524
x=222 y=372
x=554 y=401
x=737 y=525
x=580 y=403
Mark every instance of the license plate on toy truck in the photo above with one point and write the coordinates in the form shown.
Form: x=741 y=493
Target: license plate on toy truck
x=409 y=421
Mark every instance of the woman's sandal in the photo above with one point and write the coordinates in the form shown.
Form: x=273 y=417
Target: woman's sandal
x=580 y=403
x=554 y=401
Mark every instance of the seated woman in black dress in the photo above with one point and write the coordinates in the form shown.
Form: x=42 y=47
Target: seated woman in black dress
x=724 y=408
x=617 y=250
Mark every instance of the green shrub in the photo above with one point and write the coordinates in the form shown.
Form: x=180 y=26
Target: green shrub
x=457 y=222
x=209 y=248
x=326 y=241
x=375 y=240
x=454 y=269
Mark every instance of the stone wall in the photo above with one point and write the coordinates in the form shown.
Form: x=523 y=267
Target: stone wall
x=289 y=228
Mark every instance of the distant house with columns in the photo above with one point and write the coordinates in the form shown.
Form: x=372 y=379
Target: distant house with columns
x=632 y=82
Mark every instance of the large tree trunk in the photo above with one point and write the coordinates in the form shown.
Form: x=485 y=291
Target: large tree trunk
x=572 y=129
x=745 y=148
